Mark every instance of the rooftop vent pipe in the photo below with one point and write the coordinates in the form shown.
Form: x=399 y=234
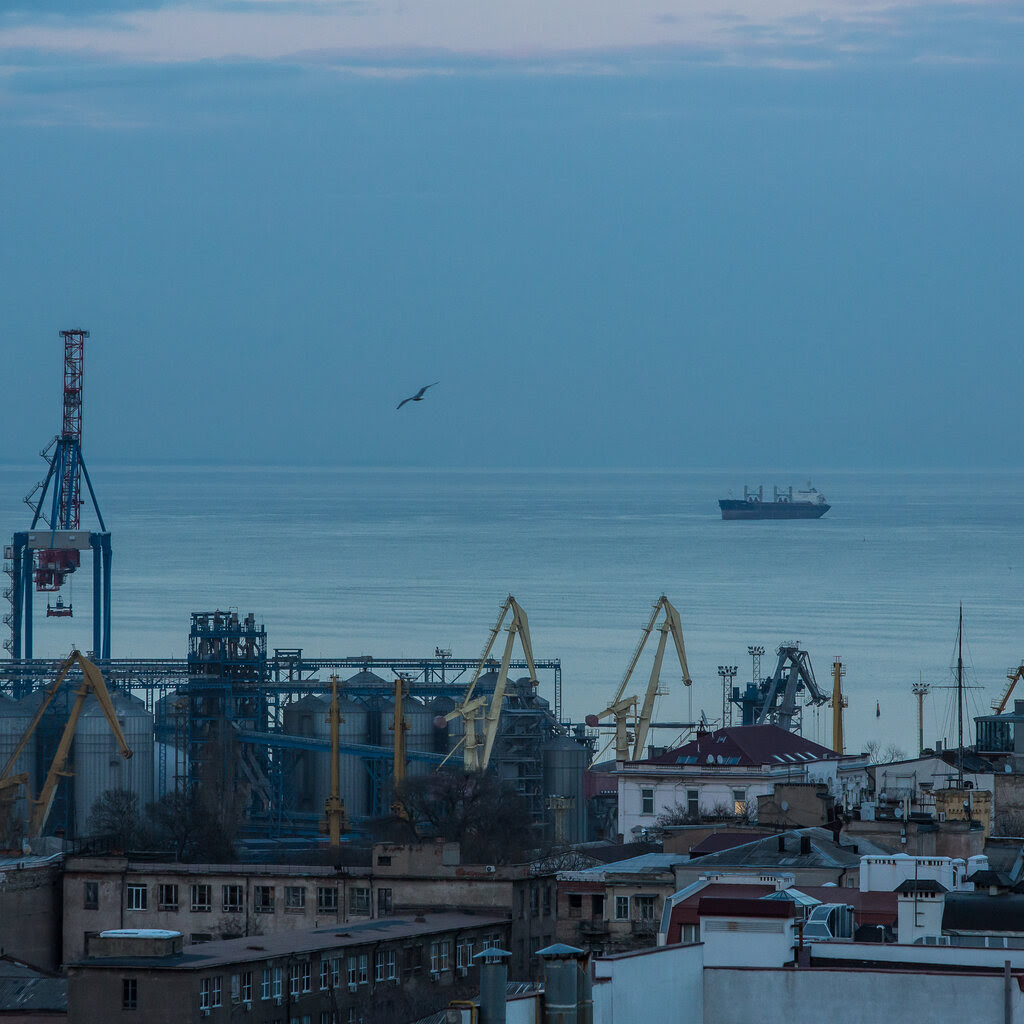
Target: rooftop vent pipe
x=493 y=984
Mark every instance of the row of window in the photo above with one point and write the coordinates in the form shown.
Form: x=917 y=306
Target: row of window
x=537 y=894
x=739 y=802
x=643 y=907
x=353 y=970
x=232 y=898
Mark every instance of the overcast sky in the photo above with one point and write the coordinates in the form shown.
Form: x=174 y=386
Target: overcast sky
x=656 y=233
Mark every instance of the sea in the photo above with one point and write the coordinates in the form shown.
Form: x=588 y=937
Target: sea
x=399 y=562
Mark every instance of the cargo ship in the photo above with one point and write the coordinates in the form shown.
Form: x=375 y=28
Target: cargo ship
x=809 y=504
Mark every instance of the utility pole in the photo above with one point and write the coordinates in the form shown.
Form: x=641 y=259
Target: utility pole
x=921 y=690
x=727 y=674
x=334 y=808
x=838 y=702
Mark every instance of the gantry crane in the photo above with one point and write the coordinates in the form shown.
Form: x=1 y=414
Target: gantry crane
x=1013 y=675
x=47 y=554
x=92 y=684
x=622 y=708
x=475 y=711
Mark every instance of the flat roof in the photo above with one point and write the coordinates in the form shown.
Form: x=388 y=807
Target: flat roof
x=203 y=955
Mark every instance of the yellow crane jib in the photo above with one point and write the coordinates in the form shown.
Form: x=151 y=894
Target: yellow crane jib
x=619 y=709
x=1013 y=675
x=476 y=711
x=92 y=684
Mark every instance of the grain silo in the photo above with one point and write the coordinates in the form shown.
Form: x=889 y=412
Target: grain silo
x=96 y=756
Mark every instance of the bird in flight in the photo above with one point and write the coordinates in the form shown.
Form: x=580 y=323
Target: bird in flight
x=418 y=397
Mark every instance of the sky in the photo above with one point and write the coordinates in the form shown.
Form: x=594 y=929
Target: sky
x=669 y=233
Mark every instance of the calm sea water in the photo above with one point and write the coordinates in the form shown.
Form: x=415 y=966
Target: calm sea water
x=349 y=562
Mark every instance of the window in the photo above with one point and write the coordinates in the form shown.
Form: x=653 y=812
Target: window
x=236 y=987
x=379 y=966
x=293 y=979
x=575 y=904
x=129 y=994
x=167 y=896
x=383 y=861
x=232 y=899
x=690 y=933
x=353 y=976
x=136 y=897
x=414 y=960
x=364 y=968
x=547 y=900
x=326 y=900
x=307 y=976
x=383 y=902
x=646 y=801
x=204 y=994
x=200 y=937
x=359 y=902
x=597 y=907
x=217 y=1000
x=336 y=971
x=201 y=899
x=446 y=948
x=325 y=974
x=263 y=898
x=693 y=803
x=464 y=954
x=739 y=802
x=265 y=984
x=278 y=979
x=246 y=986
x=621 y=908
x=644 y=907
x=295 y=898
x=534 y=901
x=435 y=957
x=91 y=896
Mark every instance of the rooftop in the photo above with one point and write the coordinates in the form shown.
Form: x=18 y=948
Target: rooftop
x=745 y=746
x=784 y=850
x=262 y=947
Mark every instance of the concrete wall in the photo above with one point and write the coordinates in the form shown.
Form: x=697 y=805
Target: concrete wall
x=651 y=985
x=747 y=941
x=850 y=996
x=30 y=912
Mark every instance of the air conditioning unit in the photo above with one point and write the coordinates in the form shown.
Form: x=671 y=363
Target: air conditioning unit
x=463 y=971
x=247 y=1006
x=942 y=815
x=489 y=868
x=435 y=975
x=352 y=986
x=278 y=1000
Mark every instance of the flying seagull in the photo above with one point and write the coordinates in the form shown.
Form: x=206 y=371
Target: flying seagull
x=418 y=397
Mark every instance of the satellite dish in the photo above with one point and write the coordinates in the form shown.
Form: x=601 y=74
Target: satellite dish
x=784 y=805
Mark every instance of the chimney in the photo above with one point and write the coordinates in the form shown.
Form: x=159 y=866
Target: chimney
x=493 y=984
x=567 y=998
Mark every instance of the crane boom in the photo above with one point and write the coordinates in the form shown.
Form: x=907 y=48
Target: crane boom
x=477 y=751
x=620 y=707
x=1013 y=675
x=92 y=683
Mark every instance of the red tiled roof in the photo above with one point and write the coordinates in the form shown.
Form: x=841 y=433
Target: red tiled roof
x=723 y=907
x=746 y=745
x=721 y=841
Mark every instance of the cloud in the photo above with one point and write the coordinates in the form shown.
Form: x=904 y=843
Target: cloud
x=386 y=32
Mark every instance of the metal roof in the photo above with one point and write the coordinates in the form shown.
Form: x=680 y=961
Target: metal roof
x=746 y=745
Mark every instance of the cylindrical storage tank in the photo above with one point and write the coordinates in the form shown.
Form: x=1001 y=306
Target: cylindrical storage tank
x=564 y=762
x=445 y=734
x=309 y=769
x=170 y=719
x=355 y=779
x=420 y=732
x=15 y=719
x=96 y=756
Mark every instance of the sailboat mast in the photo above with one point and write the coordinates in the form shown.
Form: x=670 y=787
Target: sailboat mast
x=960 y=700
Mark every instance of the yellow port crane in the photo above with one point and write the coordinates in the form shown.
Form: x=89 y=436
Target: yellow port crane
x=92 y=684
x=622 y=708
x=475 y=711
x=1013 y=675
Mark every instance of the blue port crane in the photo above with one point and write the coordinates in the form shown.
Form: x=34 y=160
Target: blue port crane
x=44 y=557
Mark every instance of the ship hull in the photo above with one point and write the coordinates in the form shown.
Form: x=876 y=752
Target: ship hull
x=737 y=509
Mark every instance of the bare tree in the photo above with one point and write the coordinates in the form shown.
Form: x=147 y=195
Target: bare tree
x=187 y=824
x=488 y=818
x=879 y=755
x=115 y=816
